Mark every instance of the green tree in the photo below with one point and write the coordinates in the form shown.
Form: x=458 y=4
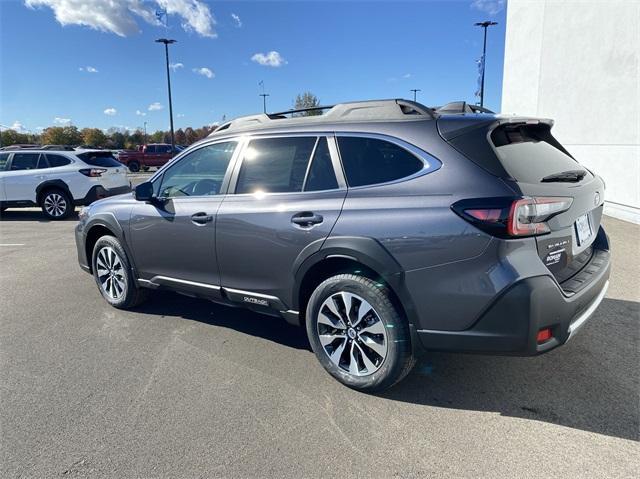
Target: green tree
x=307 y=100
x=93 y=137
x=157 y=137
x=13 y=137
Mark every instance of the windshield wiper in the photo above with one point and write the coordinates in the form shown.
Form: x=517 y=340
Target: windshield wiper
x=568 y=176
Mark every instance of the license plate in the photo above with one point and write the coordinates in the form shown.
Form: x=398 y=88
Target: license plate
x=583 y=229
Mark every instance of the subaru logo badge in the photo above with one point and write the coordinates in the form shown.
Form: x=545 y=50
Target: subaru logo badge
x=596 y=199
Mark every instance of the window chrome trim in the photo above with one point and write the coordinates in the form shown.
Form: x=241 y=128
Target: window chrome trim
x=430 y=162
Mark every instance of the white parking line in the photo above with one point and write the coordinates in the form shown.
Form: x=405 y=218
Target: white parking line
x=12 y=244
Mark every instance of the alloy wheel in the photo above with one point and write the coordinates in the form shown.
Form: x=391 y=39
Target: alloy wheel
x=352 y=334
x=55 y=204
x=110 y=273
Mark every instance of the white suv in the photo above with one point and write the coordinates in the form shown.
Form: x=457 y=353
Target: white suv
x=57 y=181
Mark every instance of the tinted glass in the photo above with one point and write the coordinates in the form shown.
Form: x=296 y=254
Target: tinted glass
x=4 y=157
x=104 y=159
x=527 y=157
x=57 y=160
x=150 y=149
x=275 y=165
x=25 y=161
x=163 y=149
x=321 y=175
x=200 y=173
x=369 y=161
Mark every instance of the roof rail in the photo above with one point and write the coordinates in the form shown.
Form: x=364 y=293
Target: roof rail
x=461 y=107
x=372 y=110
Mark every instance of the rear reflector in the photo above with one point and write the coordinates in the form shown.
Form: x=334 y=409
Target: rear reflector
x=544 y=335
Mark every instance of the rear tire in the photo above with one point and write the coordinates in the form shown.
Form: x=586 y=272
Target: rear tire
x=134 y=166
x=56 y=204
x=112 y=272
x=358 y=334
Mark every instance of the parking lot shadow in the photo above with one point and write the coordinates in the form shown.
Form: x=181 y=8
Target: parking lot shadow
x=590 y=384
x=32 y=215
x=239 y=319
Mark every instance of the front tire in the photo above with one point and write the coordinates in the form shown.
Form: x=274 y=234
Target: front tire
x=56 y=204
x=112 y=272
x=357 y=333
x=134 y=166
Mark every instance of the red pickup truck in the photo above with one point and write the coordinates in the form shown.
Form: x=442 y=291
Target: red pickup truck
x=153 y=154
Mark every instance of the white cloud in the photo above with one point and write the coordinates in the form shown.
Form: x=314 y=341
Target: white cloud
x=62 y=121
x=110 y=111
x=204 y=71
x=180 y=115
x=407 y=75
x=17 y=126
x=236 y=19
x=491 y=7
x=140 y=113
x=88 y=69
x=271 y=59
x=155 y=106
x=120 y=16
x=175 y=66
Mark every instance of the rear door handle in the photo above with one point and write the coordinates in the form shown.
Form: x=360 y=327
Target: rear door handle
x=201 y=218
x=306 y=218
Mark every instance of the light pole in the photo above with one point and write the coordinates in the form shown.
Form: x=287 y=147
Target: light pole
x=167 y=42
x=264 y=101
x=145 y=132
x=415 y=93
x=484 y=25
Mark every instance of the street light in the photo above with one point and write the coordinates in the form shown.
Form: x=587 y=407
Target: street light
x=484 y=25
x=167 y=42
x=415 y=92
x=145 y=132
x=264 y=101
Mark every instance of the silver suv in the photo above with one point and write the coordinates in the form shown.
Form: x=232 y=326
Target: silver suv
x=385 y=228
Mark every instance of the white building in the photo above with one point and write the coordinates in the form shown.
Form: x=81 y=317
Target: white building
x=578 y=62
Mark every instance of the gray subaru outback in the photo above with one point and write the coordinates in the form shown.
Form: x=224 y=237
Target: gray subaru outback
x=385 y=228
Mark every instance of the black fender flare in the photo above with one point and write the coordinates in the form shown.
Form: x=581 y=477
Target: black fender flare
x=108 y=220
x=52 y=184
x=367 y=251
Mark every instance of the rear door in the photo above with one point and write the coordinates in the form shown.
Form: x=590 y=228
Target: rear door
x=26 y=172
x=285 y=197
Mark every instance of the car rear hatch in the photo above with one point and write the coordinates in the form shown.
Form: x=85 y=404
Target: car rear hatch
x=524 y=153
x=109 y=172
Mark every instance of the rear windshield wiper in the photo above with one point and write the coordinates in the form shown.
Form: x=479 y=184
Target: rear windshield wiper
x=569 y=176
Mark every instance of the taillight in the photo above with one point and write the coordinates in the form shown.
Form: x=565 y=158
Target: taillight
x=512 y=217
x=93 y=172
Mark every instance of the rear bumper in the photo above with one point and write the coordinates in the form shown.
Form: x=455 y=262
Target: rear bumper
x=98 y=192
x=510 y=325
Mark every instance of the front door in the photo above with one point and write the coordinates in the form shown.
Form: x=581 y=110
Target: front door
x=286 y=198
x=173 y=238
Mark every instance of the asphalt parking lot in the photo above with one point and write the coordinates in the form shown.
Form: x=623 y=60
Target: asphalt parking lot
x=185 y=388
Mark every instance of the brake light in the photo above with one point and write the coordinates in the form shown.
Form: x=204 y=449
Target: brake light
x=544 y=335
x=93 y=172
x=512 y=217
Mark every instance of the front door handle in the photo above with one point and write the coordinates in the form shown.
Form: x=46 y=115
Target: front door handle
x=306 y=218
x=201 y=218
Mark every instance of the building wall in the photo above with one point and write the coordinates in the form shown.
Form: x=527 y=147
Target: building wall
x=578 y=62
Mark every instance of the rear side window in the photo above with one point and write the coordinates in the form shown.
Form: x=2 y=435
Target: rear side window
x=275 y=165
x=4 y=157
x=104 y=159
x=370 y=161
x=24 y=161
x=57 y=160
x=528 y=155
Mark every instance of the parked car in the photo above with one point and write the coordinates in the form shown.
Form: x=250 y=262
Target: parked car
x=58 y=180
x=153 y=154
x=23 y=146
x=384 y=227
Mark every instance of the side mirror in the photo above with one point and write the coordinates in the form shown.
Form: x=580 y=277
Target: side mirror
x=144 y=191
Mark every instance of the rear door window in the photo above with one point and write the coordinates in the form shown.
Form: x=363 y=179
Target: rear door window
x=24 y=161
x=4 y=157
x=370 y=161
x=275 y=165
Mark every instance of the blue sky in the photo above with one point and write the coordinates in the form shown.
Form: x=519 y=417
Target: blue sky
x=340 y=51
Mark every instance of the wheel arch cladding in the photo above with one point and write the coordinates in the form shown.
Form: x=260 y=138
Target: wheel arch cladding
x=356 y=255
x=102 y=226
x=50 y=185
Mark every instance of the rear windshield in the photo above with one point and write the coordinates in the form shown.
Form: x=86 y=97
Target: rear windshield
x=529 y=153
x=99 y=158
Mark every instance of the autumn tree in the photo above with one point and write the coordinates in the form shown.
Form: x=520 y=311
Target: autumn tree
x=93 y=137
x=180 y=137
